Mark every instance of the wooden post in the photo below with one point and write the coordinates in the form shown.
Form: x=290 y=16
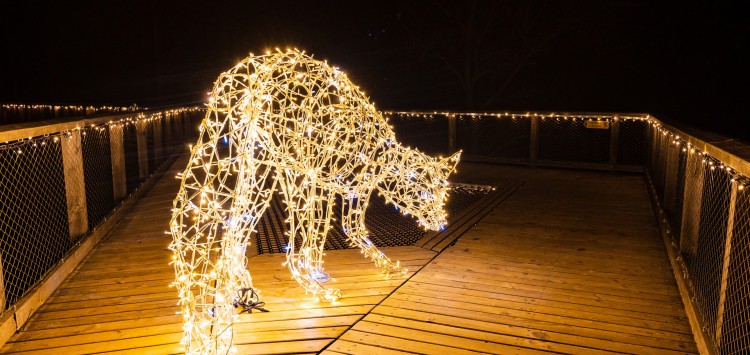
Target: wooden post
x=168 y=140
x=3 y=298
x=671 y=166
x=117 y=151
x=614 y=136
x=727 y=260
x=691 y=206
x=158 y=147
x=75 y=187
x=451 y=134
x=534 y=147
x=142 y=144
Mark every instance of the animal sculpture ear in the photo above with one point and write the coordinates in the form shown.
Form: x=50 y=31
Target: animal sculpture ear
x=449 y=164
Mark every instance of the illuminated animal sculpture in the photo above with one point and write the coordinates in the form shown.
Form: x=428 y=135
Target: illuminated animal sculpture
x=286 y=123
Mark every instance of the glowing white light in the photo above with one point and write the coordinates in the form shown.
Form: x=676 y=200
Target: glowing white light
x=295 y=126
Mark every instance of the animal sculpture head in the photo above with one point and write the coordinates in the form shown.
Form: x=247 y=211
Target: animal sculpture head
x=417 y=185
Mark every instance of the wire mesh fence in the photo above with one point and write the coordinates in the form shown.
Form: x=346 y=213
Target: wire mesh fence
x=132 y=169
x=571 y=139
x=704 y=203
x=708 y=213
x=735 y=331
x=490 y=136
x=631 y=142
x=33 y=213
x=705 y=262
x=97 y=172
x=426 y=131
x=38 y=177
x=608 y=142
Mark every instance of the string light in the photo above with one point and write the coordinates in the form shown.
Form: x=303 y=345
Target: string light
x=34 y=142
x=287 y=123
x=735 y=176
x=82 y=108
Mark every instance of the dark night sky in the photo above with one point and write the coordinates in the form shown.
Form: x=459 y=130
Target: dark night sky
x=687 y=61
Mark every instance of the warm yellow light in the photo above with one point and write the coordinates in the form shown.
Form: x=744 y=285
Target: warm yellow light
x=286 y=123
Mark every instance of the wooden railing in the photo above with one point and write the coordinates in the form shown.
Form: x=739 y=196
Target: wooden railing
x=601 y=141
x=63 y=185
x=698 y=184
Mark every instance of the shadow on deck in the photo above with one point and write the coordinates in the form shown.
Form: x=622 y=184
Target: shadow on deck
x=572 y=262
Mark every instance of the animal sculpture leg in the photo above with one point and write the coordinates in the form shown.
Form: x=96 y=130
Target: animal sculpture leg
x=309 y=222
x=210 y=260
x=353 y=221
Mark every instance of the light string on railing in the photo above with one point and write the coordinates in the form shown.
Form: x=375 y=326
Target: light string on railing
x=21 y=145
x=89 y=108
x=515 y=115
x=712 y=163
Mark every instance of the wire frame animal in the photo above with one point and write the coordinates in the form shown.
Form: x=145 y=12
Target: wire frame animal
x=285 y=123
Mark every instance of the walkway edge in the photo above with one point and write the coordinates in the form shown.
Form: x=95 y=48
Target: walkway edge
x=699 y=334
x=15 y=318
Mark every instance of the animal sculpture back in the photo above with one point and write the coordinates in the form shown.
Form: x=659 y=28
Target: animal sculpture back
x=287 y=124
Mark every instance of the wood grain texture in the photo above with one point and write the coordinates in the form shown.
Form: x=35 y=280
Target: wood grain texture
x=119 y=299
x=571 y=262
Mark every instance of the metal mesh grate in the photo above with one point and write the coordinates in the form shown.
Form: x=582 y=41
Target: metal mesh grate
x=705 y=266
x=563 y=139
x=631 y=141
x=506 y=137
x=97 y=173
x=34 y=232
x=387 y=226
x=429 y=133
x=735 y=336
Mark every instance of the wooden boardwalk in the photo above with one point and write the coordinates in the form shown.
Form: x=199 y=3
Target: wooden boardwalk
x=570 y=263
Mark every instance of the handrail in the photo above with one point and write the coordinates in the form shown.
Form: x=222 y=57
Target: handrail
x=76 y=175
x=19 y=131
x=732 y=152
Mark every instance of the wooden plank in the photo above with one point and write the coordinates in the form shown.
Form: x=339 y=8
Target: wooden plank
x=400 y=343
x=558 y=305
x=614 y=138
x=75 y=187
x=531 y=328
x=516 y=282
x=438 y=241
x=158 y=144
x=117 y=152
x=691 y=207
x=469 y=331
x=534 y=140
x=142 y=145
x=348 y=347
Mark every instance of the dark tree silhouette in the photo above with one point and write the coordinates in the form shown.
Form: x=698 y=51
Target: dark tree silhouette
x=486 y=45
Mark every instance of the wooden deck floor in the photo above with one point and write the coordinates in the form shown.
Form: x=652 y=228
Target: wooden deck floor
x=570 y=263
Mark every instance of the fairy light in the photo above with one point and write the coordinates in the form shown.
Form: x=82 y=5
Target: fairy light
x=71 y=108
x=287 y=123
x=24 y=145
